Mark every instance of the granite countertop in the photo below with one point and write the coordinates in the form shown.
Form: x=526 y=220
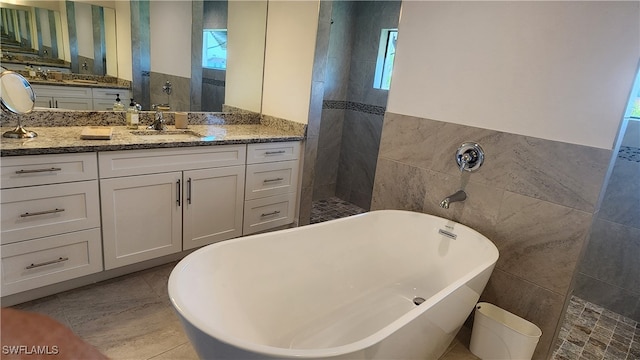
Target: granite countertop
x=66 y=139
x=78 y=83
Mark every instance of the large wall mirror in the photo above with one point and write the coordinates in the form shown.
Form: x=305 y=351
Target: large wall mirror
x=70 y=36
x=210 y=51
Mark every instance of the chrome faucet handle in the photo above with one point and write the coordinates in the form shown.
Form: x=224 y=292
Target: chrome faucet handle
x=469 y=156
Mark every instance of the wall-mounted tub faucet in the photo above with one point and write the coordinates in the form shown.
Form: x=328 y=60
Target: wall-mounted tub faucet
x=459 y=195
x=469 y=157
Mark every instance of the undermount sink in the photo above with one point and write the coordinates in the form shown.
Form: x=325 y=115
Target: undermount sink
x=167 y=134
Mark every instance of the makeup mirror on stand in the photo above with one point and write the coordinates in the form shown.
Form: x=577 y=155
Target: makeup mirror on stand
x=16 y=96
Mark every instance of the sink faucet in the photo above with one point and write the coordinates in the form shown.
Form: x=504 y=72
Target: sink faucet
x=44 y=74
x=459 y=195
x=158 y=121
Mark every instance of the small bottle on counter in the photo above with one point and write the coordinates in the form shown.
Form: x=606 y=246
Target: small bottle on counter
x=132 y=116
x=31 y=70
x=118 y=106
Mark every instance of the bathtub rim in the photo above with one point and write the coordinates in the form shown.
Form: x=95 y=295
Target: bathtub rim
x=281 y=352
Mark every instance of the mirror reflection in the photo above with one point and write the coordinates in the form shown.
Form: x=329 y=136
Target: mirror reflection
x=66 y=36
x=211 y=52
x=16 y=96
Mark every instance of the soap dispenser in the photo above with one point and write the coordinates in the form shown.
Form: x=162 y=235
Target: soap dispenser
x=132 y=116
x=118 y=106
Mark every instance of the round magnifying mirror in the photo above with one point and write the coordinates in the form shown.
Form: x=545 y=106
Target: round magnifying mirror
x=18 y=97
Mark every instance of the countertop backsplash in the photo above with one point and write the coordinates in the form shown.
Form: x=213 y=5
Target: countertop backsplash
x=53 y=117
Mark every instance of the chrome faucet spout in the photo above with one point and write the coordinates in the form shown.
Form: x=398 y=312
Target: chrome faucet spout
x=459 y=195
x=158 y=122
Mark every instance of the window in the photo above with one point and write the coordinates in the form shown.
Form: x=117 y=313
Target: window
x=214 y=49
x=386 y=55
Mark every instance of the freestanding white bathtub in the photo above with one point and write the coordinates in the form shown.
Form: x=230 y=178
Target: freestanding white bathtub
x=343 y=289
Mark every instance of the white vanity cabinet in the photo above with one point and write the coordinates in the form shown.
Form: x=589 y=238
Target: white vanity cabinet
x=272 y=185
x=78 y=98
x=50 y=214
x=162 y=201
x=63 y=97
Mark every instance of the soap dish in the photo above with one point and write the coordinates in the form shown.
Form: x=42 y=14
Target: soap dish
x=96 y=133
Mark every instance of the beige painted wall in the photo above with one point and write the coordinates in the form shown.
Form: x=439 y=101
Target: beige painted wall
x=245 y=54
x=170 y=29
x=554 y=70
x=123 y=39
x=291 y=39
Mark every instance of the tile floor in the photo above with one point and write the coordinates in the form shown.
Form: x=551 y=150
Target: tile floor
x=333 y=208
x=130 y=317
x=591 y=332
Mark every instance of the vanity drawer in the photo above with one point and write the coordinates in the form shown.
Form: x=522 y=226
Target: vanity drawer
x=270 y=152
x=266 y=213
x=63 y=91
x=31 y=170
x=30 y=264
x=271 y=179
x=46 y=210
x=111 y=94
x=138 y=162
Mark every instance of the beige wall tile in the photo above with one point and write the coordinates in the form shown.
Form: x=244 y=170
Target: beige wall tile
x=539 y=241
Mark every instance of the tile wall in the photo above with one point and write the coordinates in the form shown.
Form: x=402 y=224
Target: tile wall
x=609 y=274
x=533 y=198
x=180 y=98
x=319 y=81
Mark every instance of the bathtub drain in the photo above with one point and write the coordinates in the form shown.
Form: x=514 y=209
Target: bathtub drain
x=418 y=300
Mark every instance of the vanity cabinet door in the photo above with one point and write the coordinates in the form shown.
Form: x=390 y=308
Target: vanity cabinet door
x=213 y=205
x=141 y=217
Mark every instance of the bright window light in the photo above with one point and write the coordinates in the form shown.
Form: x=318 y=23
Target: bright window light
x=214 y=49
x=386 y=56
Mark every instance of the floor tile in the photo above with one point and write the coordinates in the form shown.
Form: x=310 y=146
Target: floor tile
x=182 y=352
x=596 y=333
x=106 y=299
x=138 y=333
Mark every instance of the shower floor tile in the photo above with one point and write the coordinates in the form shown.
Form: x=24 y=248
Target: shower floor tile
x=593 y=332
x=333 y=208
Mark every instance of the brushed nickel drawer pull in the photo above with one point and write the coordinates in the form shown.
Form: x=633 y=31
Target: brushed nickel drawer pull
x=271 y=213
x=59 y=260
x=42 y=212
x=274 y=152
x=273 y=180
x=37 y=170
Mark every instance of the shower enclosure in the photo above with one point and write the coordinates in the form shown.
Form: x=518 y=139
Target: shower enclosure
x=602 y=319
x=362 y=37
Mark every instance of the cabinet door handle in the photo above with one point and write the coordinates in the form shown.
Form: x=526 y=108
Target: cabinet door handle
x=189 y=191
x=37 y=170
x=178 y=191
x=274 y=152
x=56 y=104
x=59 y=260
x=272 y=180
x=50 y=104
x=41 y=212
x=271 y=213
